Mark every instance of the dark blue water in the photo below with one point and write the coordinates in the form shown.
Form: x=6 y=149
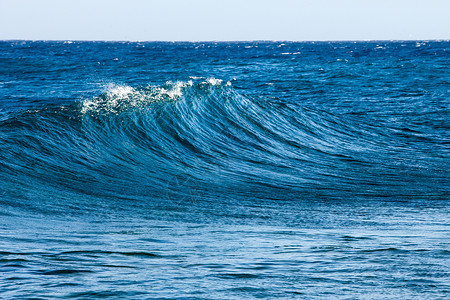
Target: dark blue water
x=224 y=170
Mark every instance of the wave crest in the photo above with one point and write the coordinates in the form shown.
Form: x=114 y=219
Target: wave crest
x=118 y=98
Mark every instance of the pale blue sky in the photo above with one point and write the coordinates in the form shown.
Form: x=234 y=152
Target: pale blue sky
x=202 y=20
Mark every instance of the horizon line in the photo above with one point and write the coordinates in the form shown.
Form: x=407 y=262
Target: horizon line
x=226 y=41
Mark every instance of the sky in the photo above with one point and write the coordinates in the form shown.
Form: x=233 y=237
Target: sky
x=232 y=20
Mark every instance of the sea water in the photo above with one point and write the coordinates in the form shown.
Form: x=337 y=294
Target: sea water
x=224 y=170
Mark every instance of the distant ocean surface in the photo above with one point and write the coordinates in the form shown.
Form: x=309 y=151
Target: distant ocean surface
x=228 y=170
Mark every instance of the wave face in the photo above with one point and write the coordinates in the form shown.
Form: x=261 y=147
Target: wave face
x=261 y=169
x=203 y=136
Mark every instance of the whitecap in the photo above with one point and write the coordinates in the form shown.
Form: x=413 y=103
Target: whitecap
x=214 y=81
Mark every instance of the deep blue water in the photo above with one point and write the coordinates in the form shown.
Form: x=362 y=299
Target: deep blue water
x=224 y=170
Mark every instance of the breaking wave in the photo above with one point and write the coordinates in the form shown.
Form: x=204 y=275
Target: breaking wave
x=203 y=139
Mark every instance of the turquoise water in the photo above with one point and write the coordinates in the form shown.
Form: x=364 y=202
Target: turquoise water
x=224 y=170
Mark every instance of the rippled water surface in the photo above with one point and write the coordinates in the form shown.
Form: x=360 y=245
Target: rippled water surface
x=224 y=170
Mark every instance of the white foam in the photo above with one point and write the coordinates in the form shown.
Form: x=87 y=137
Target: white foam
x=291 y=53
x=174 y=90
x=120 y=91
x=196 y=77
x=214 y=81
x=123 y=97
x=116 y=96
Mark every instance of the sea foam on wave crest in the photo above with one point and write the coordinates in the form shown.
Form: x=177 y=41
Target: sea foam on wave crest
x=123 y=97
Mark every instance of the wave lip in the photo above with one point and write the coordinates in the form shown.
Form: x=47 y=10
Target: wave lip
x=120 y=97
x=123 y=97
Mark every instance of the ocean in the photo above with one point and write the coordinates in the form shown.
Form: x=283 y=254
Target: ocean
x=224 y=170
